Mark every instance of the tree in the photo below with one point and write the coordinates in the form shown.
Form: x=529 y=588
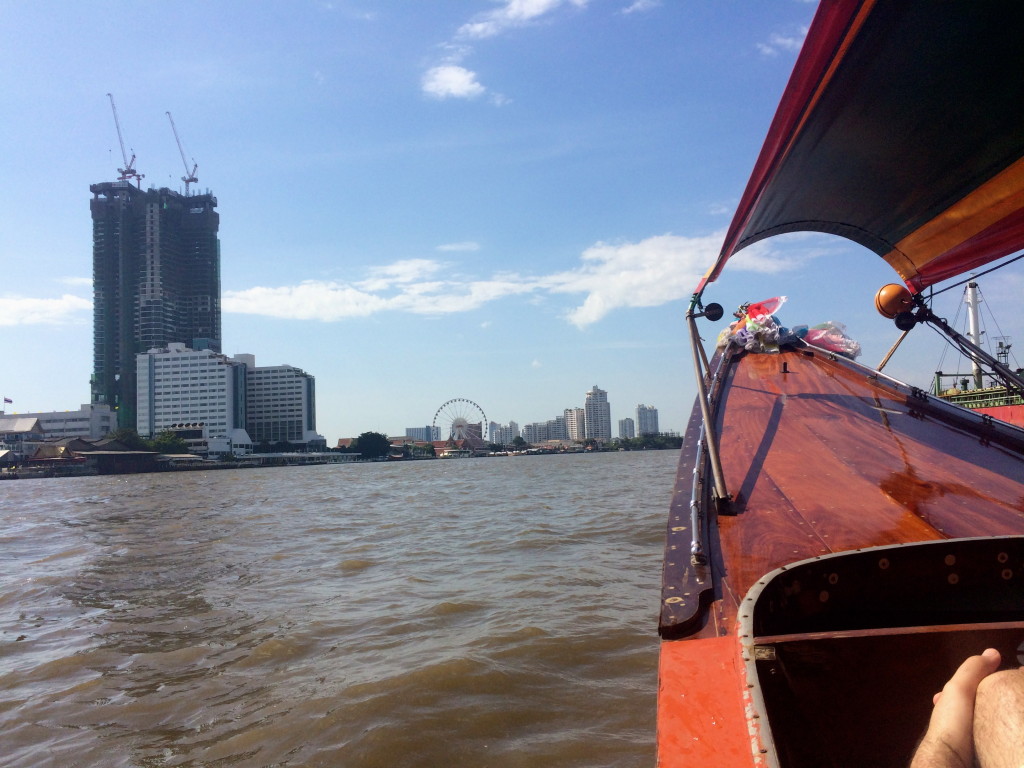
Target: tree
x=373 y=445
x=168 y=442
x=130 y=439
x=518 y=443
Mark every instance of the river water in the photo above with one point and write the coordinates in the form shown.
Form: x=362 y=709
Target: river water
x=484 y=612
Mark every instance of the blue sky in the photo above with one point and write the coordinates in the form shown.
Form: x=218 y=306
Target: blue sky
x=506 y=201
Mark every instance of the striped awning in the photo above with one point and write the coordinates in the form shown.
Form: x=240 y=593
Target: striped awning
x=902 y=129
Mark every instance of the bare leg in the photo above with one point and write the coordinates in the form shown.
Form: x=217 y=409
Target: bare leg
x=949 y=742
x=999 y=720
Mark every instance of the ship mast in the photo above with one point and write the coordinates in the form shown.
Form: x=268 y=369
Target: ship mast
x=974 y=328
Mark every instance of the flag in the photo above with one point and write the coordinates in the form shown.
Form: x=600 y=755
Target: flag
x=8 y=400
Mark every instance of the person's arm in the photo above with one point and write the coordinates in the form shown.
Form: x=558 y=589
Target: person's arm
x=949 y=740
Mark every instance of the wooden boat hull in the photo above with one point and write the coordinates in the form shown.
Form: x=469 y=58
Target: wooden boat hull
x=828 y=461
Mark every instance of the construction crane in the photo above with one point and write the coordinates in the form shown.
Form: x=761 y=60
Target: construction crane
x=190 y=176
x=128 y=172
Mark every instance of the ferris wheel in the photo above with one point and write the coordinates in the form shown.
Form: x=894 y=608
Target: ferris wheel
x=461 y=419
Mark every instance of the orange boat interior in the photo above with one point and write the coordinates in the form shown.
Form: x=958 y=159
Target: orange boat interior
x=870 y=545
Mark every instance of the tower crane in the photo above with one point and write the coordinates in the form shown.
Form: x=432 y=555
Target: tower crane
x=128 y=172
x=190 y=176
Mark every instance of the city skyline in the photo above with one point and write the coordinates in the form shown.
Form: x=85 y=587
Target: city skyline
x=419 y=201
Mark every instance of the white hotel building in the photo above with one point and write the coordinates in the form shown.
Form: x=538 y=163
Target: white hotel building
x=180 y=386
x=235 y=403
x=281 y=402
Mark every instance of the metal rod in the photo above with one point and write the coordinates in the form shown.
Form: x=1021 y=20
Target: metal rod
x=1012 y=380
x=697 y=553
x=705 y=409
x=892 y=351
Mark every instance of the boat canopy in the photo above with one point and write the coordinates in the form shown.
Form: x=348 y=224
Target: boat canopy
x=902 y=129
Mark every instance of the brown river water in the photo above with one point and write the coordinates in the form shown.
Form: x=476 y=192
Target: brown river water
x=482 y=612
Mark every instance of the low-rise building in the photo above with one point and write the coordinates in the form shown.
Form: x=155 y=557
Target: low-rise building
x=19 y=436
x=92 y=421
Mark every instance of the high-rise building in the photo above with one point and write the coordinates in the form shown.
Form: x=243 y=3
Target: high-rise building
x=504 y=434
x=626 y=429
x=598 y=415
x=425 y=434
x=281 y=405
x=156 y=281
x=576 y=424
x=557 y=429
x=535 y=433
x=180 y=386
x=646 y=420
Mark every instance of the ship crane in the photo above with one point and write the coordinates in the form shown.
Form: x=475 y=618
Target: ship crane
x=128 y=172
x=190 y=176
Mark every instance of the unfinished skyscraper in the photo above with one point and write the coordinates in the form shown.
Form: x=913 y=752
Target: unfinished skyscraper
x=156 y=281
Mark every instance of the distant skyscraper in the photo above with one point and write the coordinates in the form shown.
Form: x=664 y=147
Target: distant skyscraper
x=598 y=415
x=156 y=281
x=646 y=420
x=626 y=430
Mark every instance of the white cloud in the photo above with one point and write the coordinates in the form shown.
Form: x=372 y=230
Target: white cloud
x=647 y=273
x=21 y=310
x=512 y=13
x=307 y=301
x=406 y=271
x=536 y=364
x=641 y=5
x=450 y=81
x=778 y=42
x=644 y=274
x=76 y=281
x=468 y=245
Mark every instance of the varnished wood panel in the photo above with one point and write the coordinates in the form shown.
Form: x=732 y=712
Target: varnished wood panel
x=821 y=456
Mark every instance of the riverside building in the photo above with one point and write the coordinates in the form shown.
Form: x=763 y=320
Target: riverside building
x=503 y=434
x=156 y=281
x=427 y=434
x=199 y=394
x=281 y=405
x=575 y=424
x=646 y=420
x=598 y=414
x=91 y=422
x=626 y=429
